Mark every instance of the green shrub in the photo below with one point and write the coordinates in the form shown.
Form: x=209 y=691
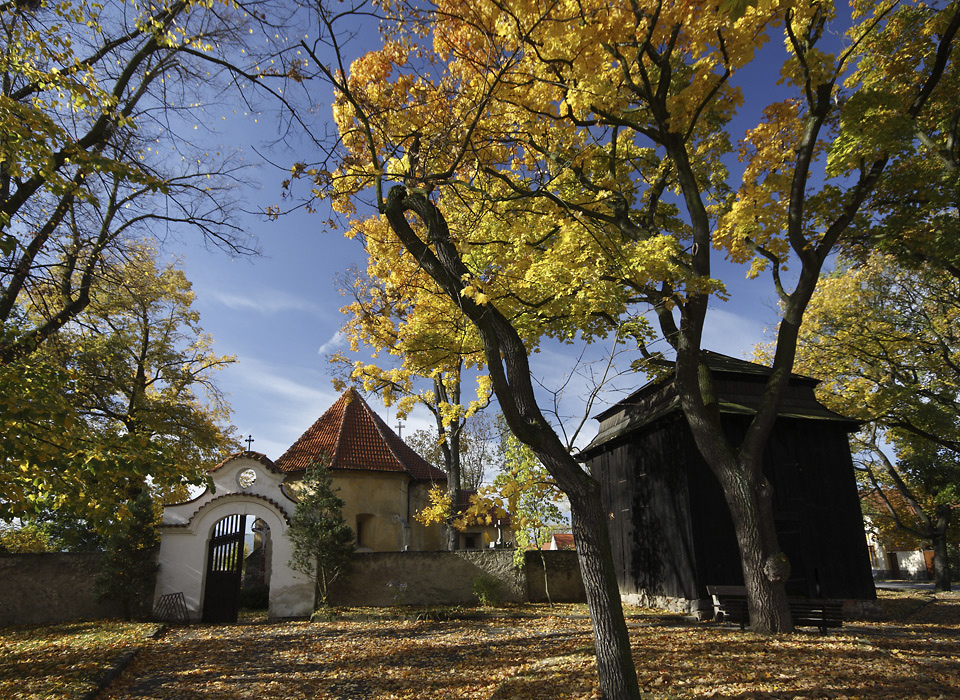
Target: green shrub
x=487 y=589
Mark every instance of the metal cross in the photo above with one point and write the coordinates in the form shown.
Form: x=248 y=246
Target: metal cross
x=399 y=428
x=249 y=441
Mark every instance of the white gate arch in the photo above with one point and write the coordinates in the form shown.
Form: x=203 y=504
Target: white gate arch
x=246 y=483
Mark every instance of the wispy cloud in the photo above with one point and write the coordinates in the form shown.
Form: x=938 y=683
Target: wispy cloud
x=276 y=403
x=265 y=302
x=265 y=382
x=336 y=341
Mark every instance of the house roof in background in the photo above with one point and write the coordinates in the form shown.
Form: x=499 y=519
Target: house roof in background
x=353 y=437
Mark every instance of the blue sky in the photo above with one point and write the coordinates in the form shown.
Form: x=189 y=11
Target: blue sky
x=279 y=312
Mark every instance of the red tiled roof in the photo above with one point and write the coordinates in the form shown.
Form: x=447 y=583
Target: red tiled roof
x=352 y=436
x=564 y=540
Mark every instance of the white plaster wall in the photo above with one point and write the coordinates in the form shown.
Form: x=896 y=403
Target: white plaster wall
x=912 y=563
x=188 y=526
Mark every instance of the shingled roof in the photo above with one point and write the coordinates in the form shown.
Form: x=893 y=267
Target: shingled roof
x=352 y=436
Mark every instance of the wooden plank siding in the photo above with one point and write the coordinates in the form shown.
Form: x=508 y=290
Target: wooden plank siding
x=670 y=528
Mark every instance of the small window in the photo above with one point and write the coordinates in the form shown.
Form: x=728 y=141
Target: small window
x=469 y=541
x=365 y=531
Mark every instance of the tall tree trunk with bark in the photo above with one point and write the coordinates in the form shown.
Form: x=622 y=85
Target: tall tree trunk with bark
x=507 y=363
x=450 y=434
x=941 y=563
x=765 y=567
x=738 y=468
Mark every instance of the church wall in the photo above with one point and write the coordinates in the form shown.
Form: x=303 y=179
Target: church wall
x=380 y=508
x=423 y=538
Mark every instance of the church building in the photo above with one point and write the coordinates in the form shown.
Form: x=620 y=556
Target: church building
x=382 y=482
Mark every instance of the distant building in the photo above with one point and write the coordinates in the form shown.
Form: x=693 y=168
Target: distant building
x=560 y=540
x=381 y=480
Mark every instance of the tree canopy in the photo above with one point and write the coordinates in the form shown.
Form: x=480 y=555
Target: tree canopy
x=96 y=104
x=560 y=170
x=121 y=396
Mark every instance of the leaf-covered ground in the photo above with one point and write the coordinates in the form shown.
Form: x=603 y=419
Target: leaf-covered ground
x=63 y=661
x=536 y=652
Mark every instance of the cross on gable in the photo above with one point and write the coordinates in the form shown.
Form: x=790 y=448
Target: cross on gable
x=249 y=441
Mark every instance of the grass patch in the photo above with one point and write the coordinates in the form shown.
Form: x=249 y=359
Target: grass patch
x=63 y=661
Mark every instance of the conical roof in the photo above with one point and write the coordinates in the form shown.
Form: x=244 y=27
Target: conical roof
x=352 y=436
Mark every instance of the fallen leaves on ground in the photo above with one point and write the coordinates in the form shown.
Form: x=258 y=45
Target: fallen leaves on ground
x=531 y=652
x=62 y=661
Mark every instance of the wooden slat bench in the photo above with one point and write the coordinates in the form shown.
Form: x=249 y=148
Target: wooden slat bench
x=730 y=605
x=816 y=612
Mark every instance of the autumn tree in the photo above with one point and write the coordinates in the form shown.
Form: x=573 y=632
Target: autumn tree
x=531 y=497
x=558 y=170
x=322 y=541
x=478 y=441
x=144 y=364
x=884 y=340
x=422 y=346
x=133 y=379
x=97 y=103
x=28 y=538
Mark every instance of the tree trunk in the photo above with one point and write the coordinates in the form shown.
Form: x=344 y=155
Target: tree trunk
x=941 y=562
x=941 y=565
x=618 y=676
x=546 y=582
x=509 y=369
x=765 y=568
x=450 y=447
x=748 y=493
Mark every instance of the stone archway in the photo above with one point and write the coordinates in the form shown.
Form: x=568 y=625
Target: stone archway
x=246 y=486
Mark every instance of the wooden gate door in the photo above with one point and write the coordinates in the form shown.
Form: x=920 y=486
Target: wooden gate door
x=221 y=596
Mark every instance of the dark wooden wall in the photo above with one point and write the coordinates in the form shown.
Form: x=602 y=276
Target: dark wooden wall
x=671 y=531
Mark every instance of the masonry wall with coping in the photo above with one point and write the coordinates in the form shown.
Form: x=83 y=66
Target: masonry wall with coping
x=447 y=578
x=563 y=577
x=426 y=578
x=58 y=587
x=51 y=587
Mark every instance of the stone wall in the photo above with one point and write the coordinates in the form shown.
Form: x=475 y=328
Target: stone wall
x=426 y=578
x=446 y=578
x=563 y=577
x=54 y=587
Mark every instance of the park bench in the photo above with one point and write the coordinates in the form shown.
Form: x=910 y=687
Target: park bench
x=730 y=605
